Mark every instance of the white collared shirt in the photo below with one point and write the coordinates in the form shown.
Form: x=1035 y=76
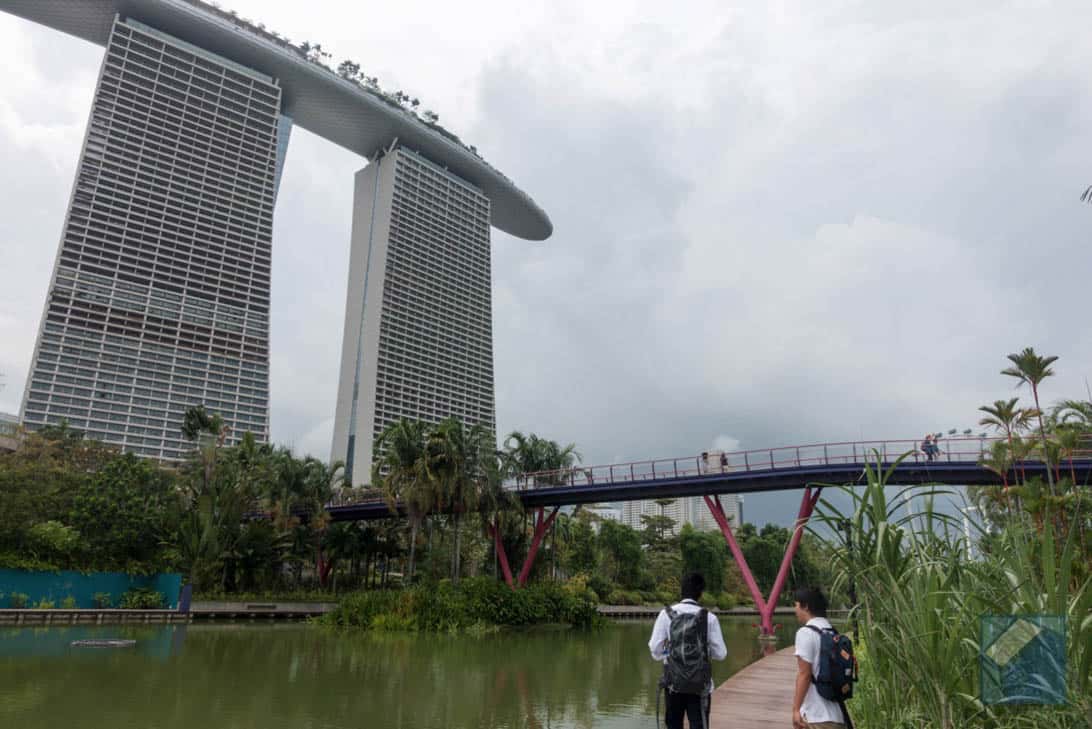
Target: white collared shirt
x=661 y=631
x=815 y=708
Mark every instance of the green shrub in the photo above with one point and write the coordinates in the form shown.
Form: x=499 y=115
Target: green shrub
x=19 y=600
x=10 y=560
x=45 y=604
x=142 y=598
x=102 y=600
x=625 y=597
x=69 y=603
x=665 y=597
x=389 y=622
x=358 y=609
x=601 y=586
x=724 y=601
x=475 y=605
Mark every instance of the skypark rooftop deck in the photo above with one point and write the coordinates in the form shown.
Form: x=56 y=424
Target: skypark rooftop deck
x=315 y=97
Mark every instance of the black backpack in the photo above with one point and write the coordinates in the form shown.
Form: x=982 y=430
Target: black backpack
x=837 y=666
x=688 y=670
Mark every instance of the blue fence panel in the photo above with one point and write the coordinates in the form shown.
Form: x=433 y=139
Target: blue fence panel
x=56 y=586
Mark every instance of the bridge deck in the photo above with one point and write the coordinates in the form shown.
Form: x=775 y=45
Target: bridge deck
x=770 y=469
x=758 y=697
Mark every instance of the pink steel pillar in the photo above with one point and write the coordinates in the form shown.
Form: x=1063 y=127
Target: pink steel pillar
x=766 y=606
x=502 y=557
x=542 y=525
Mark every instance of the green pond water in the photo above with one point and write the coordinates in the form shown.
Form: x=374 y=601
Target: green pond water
x=268 y=676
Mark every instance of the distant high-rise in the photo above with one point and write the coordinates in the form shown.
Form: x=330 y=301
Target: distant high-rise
x=160 y=292
x=687 y=510
x=418 y=339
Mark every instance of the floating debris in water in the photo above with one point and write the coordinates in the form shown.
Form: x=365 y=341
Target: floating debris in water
x=104 y=643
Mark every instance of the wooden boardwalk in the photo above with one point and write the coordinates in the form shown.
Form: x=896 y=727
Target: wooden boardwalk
x=758 y=697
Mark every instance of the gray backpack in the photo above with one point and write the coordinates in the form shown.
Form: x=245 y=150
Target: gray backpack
x=688 y=670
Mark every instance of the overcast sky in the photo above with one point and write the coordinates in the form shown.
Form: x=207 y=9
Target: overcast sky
x=774 y=222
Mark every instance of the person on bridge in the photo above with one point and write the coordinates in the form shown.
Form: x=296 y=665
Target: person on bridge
x=929 y=448
x=688 y=674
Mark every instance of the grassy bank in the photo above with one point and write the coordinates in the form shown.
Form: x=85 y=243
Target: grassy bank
x=472 y=605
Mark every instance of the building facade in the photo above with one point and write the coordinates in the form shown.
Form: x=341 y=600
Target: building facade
x=159 y=298
x=418 y=336
x=690 y=510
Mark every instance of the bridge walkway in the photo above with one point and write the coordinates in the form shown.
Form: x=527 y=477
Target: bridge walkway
x=758 y=697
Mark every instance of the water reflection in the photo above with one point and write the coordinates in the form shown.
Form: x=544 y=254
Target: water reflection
x=245 y=675
x=152 y=641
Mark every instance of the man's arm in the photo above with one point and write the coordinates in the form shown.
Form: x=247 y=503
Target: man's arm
x=659 y=637
x=717 y=650
x=803 y=680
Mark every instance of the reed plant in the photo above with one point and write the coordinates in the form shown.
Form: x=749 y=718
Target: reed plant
x=921 y=596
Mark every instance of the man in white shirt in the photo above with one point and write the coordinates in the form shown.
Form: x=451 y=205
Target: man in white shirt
x=680 y=704
x=809 y=709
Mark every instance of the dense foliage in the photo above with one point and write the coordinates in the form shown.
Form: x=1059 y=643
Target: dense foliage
x=250 y=518
x=473 y=604
x=923 y=583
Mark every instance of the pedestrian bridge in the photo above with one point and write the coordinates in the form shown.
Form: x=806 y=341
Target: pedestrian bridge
x=764 y=469
x=958 y=462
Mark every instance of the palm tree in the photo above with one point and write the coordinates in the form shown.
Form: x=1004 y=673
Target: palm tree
x=528 y=454
x=664 y=503
x=496 y=504
x=198 y=421
x=562 y=530
x=400 y=471
x=1006 y=417
x=1031 y=369
x=1075 y=412
x=320 y=484
x=455 y=459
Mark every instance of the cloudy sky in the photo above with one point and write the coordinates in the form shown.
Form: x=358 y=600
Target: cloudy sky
x=775 y=222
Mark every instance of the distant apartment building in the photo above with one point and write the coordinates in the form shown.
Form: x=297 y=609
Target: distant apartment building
x=418 y=337
x=688 y=510
x=603 y=513
x=9 y=431
x=9 y=424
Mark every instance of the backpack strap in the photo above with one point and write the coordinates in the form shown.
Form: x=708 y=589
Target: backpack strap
x=704 y=617
x=820 y=631
x=705 y=620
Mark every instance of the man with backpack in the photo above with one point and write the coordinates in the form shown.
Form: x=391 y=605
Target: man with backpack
x=826 y=668
x=685 y=637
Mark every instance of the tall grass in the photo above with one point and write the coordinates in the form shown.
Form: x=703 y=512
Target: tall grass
x=920 y=601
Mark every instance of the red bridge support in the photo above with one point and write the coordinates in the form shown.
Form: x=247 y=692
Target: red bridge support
x=542 y=525
x=766 y=606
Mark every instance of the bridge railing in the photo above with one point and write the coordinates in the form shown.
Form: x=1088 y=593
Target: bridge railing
x=760 y=460
x=950 y=450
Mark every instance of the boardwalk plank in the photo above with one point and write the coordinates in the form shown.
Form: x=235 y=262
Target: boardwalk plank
x=758 y=697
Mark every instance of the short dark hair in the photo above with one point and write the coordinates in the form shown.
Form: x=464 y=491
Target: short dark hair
x=692 y=586
x=812 y=599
